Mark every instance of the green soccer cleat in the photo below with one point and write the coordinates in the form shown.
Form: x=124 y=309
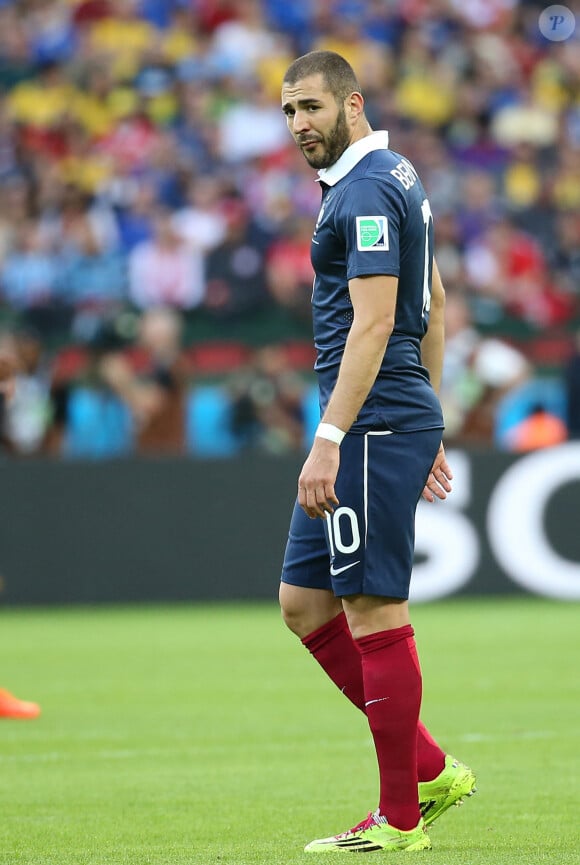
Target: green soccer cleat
x=449 y=788
x=372 y=834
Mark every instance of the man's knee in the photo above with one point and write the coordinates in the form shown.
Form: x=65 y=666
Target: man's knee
x=295 y=621
x=370 y=614
x=306 y=610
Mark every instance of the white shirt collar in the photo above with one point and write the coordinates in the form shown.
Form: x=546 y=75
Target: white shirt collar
x=353 y=155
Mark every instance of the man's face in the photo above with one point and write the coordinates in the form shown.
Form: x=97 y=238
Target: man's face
x=318 y=125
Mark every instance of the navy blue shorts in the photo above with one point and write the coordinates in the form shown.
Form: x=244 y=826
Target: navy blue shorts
x=366 y=547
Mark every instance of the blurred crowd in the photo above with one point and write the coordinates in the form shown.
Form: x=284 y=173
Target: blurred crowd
x=153 y=204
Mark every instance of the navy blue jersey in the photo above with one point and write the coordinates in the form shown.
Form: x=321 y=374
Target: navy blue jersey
x=375 y=220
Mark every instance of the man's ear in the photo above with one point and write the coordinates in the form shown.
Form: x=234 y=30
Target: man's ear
x=354 y=107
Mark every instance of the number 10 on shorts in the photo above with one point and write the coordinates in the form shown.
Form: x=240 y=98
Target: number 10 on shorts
x=343 y=531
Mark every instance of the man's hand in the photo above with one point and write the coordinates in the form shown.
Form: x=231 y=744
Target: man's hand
x=316 y=494
x=439 y=480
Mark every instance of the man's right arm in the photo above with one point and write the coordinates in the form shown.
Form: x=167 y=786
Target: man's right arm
x=433 y=344
x=374 y=300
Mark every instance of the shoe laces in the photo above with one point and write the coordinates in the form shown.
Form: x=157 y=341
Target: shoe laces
x=373 y=818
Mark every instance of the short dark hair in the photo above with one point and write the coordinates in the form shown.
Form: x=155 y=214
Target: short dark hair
x=338 y=74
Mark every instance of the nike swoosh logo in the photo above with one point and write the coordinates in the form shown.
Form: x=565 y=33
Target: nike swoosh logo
x=336 y=571
x=379 y=700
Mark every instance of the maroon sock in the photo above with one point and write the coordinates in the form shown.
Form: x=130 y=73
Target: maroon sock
x=392 y=684
x=334 y=649
x=430 y=757
x=337 y=653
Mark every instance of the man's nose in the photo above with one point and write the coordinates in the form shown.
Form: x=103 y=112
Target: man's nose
x=300 y=122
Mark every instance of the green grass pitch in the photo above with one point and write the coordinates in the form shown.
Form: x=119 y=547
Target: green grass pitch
x=205 y=734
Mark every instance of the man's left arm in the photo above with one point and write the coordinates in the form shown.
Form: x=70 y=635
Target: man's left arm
x=433 y=343
x=432 y=351
x=374 y=300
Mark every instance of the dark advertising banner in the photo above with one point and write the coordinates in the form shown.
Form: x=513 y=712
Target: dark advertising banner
x=509 y=525
x=180 y=529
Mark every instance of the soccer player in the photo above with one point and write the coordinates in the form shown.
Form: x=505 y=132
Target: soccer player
x=378 y=328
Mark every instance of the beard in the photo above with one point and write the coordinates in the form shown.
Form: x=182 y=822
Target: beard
x=334 y=144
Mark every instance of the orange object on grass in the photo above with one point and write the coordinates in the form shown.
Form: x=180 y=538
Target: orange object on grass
x=12 y=707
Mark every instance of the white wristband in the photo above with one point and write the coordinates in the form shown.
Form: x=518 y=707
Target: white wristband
x=330 y=432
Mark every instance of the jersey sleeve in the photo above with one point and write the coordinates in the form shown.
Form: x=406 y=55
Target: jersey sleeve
x=368 y=222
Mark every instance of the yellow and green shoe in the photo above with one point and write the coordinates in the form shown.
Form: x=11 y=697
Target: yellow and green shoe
x=373 y=834
x=450 y=787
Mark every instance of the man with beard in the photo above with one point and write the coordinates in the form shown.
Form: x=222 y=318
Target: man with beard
x=378 y=328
